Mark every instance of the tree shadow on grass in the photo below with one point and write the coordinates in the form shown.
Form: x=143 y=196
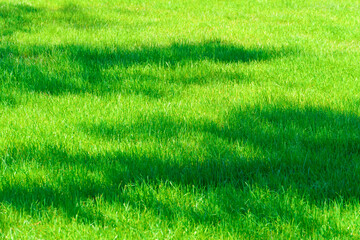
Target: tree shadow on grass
x=23 y=18
x=313 y=153
x=153 y=71
x=313 y=150
x=16 y=17
x=316 y=151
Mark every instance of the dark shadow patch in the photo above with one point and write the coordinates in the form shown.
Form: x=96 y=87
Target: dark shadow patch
x=23 y=17
x=42 y=69
x=310 y=152
x=316 y=151
x=79 y=69
x=313 y=151
x=16 y=17
x=215 y=51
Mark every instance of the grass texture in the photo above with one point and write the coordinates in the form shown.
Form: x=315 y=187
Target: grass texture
x=179 y=119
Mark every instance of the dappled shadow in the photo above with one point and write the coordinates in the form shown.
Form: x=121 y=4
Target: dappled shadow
x=312 y=152
x=78 y=69
x=26 y=18
x=84 y=179
x=176 y=53
x=16 y=17
x=103 y=176
x=155 y=71
x=316 y=151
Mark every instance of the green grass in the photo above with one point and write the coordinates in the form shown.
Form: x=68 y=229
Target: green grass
x=179 y=119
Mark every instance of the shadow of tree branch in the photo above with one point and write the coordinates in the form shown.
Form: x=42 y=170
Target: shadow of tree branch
x=311 y=152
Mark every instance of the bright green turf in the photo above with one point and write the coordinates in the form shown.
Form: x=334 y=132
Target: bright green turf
x=193 y=119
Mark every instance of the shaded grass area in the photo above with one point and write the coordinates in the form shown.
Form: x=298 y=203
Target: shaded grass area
x=79 y=69
x=313 y=152
x=215 y=137
x=23 y=17
x=16 y=17
x=155 y=71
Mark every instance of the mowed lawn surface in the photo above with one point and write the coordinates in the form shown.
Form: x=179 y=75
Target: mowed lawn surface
x=141 y=119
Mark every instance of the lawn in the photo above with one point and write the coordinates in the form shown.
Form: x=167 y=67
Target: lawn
x=180 y=119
